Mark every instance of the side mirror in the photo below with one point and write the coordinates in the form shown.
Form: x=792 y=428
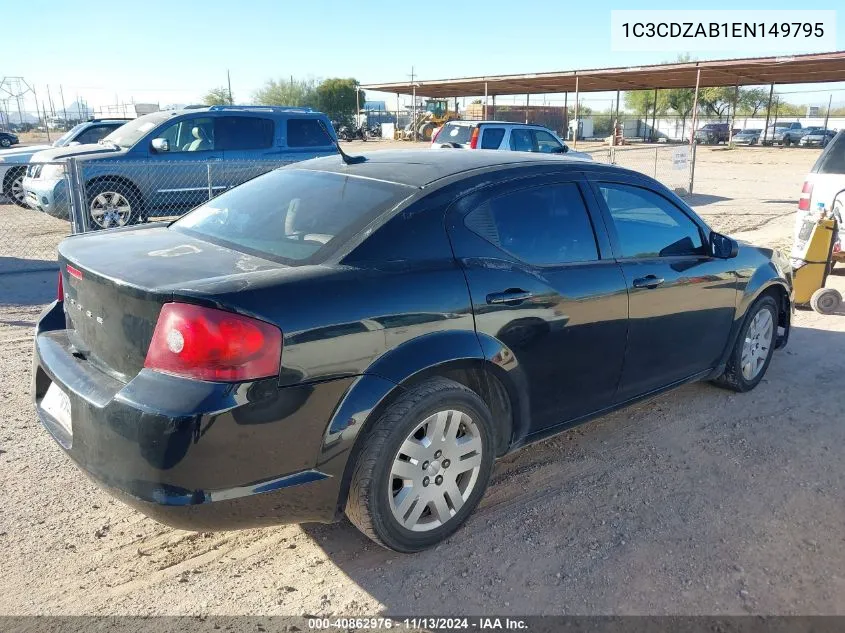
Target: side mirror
x=160 y=145
x=73 y=144
x=722 y=246
x=559 y=150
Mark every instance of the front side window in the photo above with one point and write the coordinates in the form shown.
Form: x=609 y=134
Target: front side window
x=190 y=135
x=545 y=225
x=546 y=142
x=648 y=225
x=492 y=137
x=307 y=133
x=93 y=134
x=521 y=140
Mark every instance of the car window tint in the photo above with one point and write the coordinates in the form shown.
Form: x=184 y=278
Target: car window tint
x=93 y=134
x=241 y=132
x=190 y=135
x=492 y=137
x=521 y=140
x=541 y=225
x=292 y=215
x=546 y=143
x=648 y=225
x=832 y=159
x=306 y=133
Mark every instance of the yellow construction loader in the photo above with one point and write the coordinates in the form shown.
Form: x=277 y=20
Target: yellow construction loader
x=436 y=113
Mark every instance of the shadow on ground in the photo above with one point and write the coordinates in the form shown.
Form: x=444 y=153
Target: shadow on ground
x=696 y=501
x=702 y=199
x=27 y=288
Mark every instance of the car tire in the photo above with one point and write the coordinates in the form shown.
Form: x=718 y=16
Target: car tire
x=787 y=142
x=112 y=204
x=5 y=142
x=752 y=353
x=400 y=500
x=826 y=300
x=13 y=186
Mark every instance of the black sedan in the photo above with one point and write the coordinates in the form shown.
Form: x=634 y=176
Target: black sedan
x=367 y=338
x=7 y=139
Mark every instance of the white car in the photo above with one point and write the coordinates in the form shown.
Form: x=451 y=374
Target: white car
x=502 y=135
x=824 y=188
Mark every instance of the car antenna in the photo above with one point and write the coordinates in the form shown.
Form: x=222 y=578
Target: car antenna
x=346 y=158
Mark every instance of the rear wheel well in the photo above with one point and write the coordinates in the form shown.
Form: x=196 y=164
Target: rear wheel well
x=473 y=375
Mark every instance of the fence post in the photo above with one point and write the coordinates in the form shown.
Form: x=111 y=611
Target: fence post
x=210 y=188
x=76 y=197
x=692 y=167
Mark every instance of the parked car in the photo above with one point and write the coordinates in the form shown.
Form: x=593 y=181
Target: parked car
x=714 y=133
x=7 y=139
x=784 y=133
x=816 y=137
x=13 y=162
x=825 y=186
x=368 y=336
x=161 y=163
x=502 y=135
x=747 y=137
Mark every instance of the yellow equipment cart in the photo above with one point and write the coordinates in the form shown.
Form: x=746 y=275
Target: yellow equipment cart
x=811 y=261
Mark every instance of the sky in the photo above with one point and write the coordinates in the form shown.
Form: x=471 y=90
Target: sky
x=166 y=52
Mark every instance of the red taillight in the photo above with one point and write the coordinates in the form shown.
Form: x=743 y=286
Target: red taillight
x=436 y=134
x=74 y=272
x=210 y=344
x=806 y=194
x=473 y=140
x=60 y=293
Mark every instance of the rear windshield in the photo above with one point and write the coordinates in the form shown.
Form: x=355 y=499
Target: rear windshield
x=832 y=159
x=294 y=216
x=452 y=133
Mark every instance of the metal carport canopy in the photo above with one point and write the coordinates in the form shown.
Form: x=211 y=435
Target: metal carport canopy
x=818 y=67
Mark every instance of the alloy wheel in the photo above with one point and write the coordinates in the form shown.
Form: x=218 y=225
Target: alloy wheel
x=110 y=209
x=758 y=341
x=435 y=470
x=16 y=190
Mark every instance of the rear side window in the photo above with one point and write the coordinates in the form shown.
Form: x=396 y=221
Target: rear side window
x=541 y=226
x=292 y=215
x=832 y=159
x=307 y=133
x=452 y=133
x=242 y=132
x=521 y=140
x=492 y=137
x=648 y=225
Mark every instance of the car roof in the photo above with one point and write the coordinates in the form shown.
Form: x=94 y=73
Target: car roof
x=418 y=168
x=493 y=122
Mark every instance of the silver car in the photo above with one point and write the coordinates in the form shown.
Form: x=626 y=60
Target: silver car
x=502 y=135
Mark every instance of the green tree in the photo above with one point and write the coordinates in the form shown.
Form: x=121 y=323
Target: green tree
x=217 y=96
x=642 y=102
x=681 y=101
x=292 y=92
x=752 y=100
x=336 y=97
x=717 y=101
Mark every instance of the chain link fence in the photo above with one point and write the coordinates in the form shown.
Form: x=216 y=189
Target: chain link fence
x=672 y=165
x=50 y=201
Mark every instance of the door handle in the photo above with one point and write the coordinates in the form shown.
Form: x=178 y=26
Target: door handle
x=649 y=281
x=511 y=296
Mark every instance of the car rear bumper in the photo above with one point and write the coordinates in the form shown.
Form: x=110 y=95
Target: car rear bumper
x=49 y=196
x=191 y=454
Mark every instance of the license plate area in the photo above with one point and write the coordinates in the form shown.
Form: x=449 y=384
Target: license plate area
x=56 y=404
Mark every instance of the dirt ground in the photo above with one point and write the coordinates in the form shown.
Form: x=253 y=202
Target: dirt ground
x=697 y=502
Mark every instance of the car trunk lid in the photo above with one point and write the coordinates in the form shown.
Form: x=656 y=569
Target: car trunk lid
x=115 y=284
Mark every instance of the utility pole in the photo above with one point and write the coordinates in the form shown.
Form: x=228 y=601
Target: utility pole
x=64 y=109
x=827 y=116
x=229 y=82
x=46 y=123
x=50 y=101
x=413 y=107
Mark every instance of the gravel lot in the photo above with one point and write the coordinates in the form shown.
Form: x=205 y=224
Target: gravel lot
x=697 y=502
